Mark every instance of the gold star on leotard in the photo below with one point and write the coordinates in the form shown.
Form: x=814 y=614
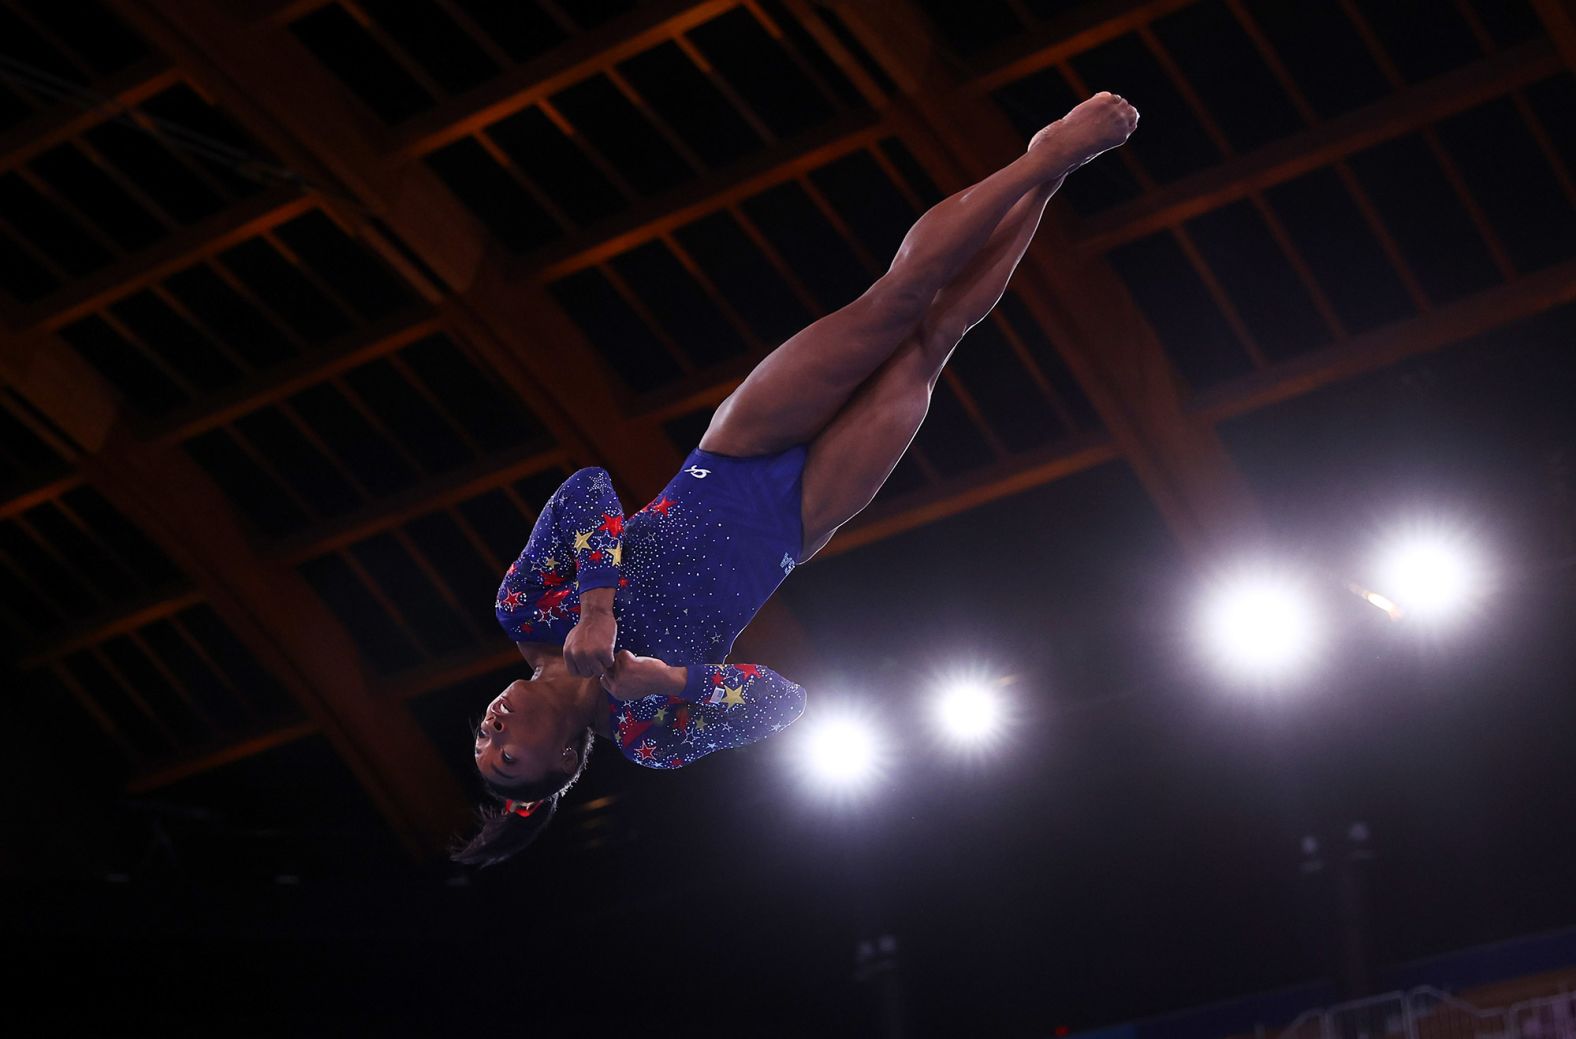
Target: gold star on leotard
x=661 y=716
x=583 y=540
x=618 y=555
x=732 y=694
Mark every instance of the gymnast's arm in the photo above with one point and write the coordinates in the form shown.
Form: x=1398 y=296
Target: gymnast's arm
x=745 y=703
x=727 y=685
x=575 y=546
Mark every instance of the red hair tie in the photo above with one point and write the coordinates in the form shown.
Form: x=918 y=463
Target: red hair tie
x=521 y=808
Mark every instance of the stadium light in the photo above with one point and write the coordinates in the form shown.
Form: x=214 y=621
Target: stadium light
x=1260 y=624
x=841 y=751
x=1429 y=574
x=968 y=711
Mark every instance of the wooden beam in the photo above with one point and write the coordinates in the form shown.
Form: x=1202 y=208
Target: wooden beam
x=578 y=58
x=379 y=339
x=1559 y=18
x=287 y=628
x=39 y=493
x=689 y=202
x=123 y=619
x=67 y=119
x=240 y=222
x=1002 y=479
x=431 y=495
x=1395 y=116
x=166 y=773
x=1078 y=300
x=285 y=97
x=444 y=492
x=61 y=387
x=1476 y=314
x=1082 y=29
x=270 y=609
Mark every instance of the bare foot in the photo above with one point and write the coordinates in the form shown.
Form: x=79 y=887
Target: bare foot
x=1097 y=125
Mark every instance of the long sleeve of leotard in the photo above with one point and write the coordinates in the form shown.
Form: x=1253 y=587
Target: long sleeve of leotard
x=722 y=706
x=575 y=546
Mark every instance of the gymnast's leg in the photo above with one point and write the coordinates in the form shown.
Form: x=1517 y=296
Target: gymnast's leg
x=801 y=386
x=853 y=456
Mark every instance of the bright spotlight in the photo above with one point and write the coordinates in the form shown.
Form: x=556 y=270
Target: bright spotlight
x=1261 y=624
x=1430 y=575
x=841 y=751
x=968 y=711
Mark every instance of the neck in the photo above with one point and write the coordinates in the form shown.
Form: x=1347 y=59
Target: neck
x=586 y=698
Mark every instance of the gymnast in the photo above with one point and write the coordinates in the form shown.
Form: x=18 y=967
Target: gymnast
x=627 y=622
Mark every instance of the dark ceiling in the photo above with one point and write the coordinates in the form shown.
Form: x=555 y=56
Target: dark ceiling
x=308 y=304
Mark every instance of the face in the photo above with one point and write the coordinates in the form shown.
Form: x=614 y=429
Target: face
x=521 y=739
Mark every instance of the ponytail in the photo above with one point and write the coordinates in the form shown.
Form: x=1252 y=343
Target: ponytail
x=505 y=833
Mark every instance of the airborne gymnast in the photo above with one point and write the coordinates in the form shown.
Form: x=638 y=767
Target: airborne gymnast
x=627 y=621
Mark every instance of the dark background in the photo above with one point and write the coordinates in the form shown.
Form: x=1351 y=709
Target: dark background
x=1130 y=845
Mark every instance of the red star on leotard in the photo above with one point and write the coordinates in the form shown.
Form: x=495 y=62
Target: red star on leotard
x=646 y=751
x=596 y=557
x=553 y=599
x=716 y=679
x=662 y=506
x=612 y=523
x=552 y=580
x=510 y=601
x=629 y=729
x=675 y=762
x=748 y=670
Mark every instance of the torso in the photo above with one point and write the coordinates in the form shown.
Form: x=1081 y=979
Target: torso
x=703 y=557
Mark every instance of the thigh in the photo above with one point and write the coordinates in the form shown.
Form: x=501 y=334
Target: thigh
x=850 y=460
x=791 y=396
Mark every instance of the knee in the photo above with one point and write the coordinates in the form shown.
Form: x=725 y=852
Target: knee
x=895 y=305
x=938 y=338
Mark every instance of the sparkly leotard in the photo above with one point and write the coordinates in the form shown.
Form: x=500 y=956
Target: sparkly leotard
x=691 y=569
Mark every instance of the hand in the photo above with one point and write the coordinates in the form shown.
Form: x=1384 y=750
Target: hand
x=633 y=677
x=588 y=649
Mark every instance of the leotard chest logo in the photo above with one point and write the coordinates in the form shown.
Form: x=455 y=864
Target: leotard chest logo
x=697 y=472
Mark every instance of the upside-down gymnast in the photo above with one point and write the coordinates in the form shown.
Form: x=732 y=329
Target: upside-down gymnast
x=626 y=622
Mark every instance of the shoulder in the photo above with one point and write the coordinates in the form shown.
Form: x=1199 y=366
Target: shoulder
x=591 y=475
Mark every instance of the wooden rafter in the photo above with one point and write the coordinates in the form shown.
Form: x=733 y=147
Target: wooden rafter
x=580 y=57
x=67 y=120
x=235 y=225
x=1395 y=116
x=403 y=211
x=270 y=609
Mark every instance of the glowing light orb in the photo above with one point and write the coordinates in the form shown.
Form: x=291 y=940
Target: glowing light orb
x=1430 y=575
x=968 y=711
x=841 y=751
x=1261 y=625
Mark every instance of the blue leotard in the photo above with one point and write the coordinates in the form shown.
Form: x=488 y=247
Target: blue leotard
x=691 y=569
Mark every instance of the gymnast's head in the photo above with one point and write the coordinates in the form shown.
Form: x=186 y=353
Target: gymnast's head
x=531 y=746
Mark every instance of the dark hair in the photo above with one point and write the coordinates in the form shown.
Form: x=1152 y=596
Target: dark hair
x=504 y=833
